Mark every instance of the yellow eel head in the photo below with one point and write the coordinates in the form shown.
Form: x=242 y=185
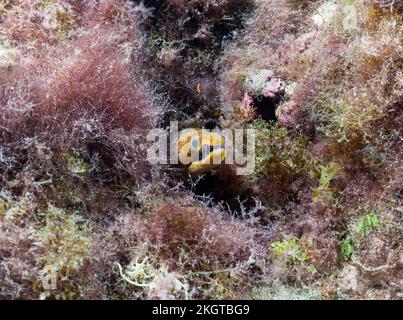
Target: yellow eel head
x=204 y=150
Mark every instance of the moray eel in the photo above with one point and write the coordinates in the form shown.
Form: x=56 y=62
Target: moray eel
x=204 y=150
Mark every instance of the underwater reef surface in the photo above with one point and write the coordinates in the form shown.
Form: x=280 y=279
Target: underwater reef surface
x=83 y=213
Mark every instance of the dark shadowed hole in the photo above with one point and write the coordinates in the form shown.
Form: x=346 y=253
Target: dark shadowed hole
x=223 y=188
x=266 y=107
x=211 y=124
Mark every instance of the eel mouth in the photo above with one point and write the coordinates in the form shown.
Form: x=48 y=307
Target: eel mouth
x=206 y=150
x=208 y=160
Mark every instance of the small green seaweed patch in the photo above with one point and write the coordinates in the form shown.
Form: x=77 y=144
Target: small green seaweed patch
x=292 y=254
x=368 y=223
x=327 y=173
x=290 y=247
x=279 y=157
x=76 y=164
x=362 y=228
x=348 y=246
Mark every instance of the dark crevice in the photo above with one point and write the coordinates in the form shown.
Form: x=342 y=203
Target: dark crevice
x=224 y=187
x=266 y=107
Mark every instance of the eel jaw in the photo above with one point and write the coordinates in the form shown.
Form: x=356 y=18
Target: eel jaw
x=207 y=163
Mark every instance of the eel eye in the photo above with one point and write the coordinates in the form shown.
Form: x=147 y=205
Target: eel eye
x=195 y=143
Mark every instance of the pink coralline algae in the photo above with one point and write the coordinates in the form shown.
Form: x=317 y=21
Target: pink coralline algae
x=263 y=93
